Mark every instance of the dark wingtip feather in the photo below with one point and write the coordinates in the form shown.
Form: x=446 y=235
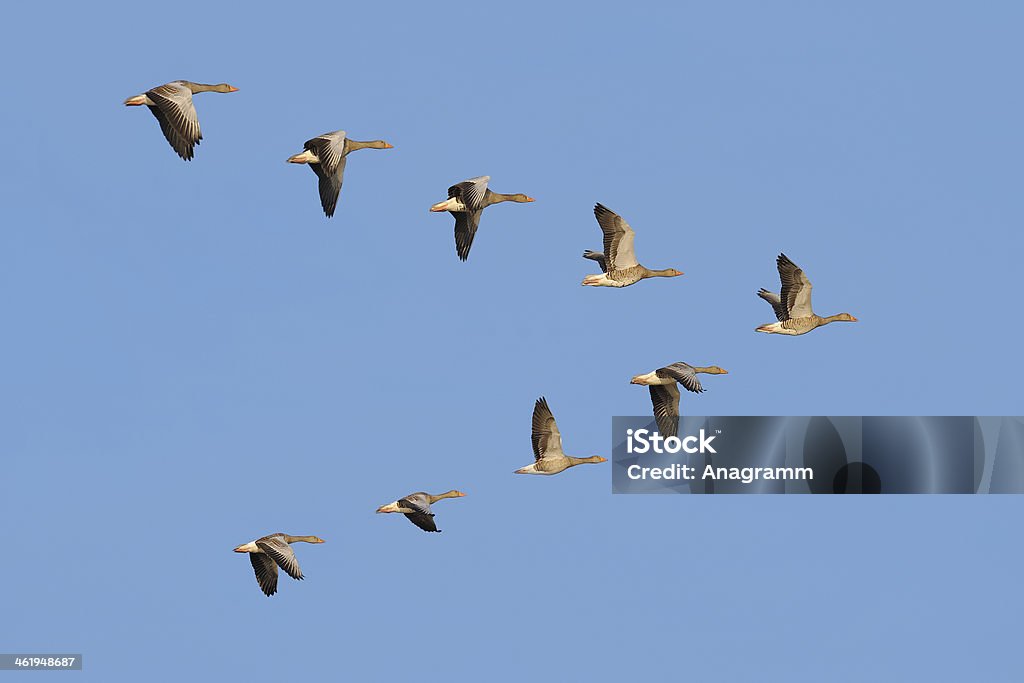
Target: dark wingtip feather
x=329 y=208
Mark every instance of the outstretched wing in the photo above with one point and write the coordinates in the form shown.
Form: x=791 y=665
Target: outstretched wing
x=618 y=239
x=796 y=288
x=172 y=106
x=279 y=551
x=266 y=572
x=546 y=439
x=466 y=224
x=597 y=256
x=421 y=515
x=330 y=185
x=682 y=373
x=329 y=148
x=470 y=192
x=665 y=398
x=771 y=297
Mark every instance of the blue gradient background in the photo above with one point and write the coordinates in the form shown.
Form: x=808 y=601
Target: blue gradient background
x=193 y=356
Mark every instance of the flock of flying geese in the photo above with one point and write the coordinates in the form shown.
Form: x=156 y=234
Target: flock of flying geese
x=326 y=155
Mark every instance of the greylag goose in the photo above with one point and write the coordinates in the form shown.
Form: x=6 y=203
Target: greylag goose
x=171 y=104
x=618 y=262
x=547 y=445
x=416 y=507
x=665 y=393
x=269 y=552
x=793 y=306
x=467 y=201
x=326 y=154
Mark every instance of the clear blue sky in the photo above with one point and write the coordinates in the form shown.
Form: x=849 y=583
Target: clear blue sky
x=193 y=356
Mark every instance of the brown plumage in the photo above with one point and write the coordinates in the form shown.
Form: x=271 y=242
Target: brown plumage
x=793 y=306
x=327 y=155
x=618 y=261
x=665 y=394
x=547 y=445
x=272 y=551
x=171 y=104
x=416 y=507
x=466 y=202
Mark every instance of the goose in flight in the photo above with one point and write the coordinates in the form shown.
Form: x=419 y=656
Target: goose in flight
x=172 y=106
x=273 y=551
x=793 y=306
x=547 y=445
x=665 y=394
x=416 y=507
x=467 y=201
x=325 y=155
x=618 y=261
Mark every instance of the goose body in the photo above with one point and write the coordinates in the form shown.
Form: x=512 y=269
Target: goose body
x=171 y=104
x=326 y=155
x=665 y=392
x=416 y=507
x=270 y=552
x=618 y=261
x=793 y=306
x=466 y=202
x=549 y=458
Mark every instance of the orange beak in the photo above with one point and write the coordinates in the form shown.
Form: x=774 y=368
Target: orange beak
x=388 y=145
x=530 y=199
x=854 y=319
x=239 y=549
x=233 y=88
